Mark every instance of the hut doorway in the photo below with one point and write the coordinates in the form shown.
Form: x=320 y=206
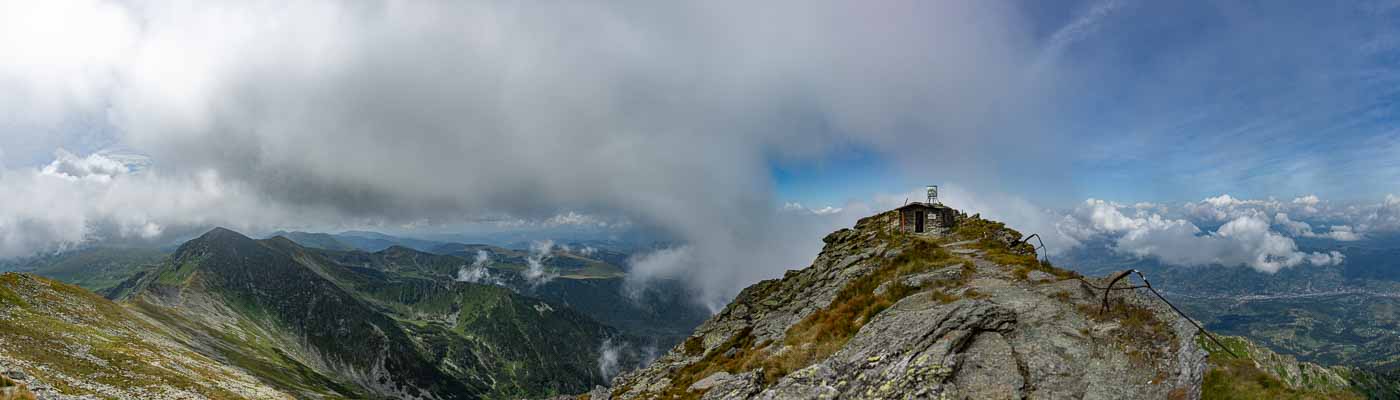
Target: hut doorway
x=919 y=219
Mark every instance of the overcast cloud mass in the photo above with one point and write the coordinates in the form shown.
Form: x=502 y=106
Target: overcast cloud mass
x=149 y=120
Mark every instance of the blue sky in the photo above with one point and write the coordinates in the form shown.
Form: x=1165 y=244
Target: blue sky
x=1184 y=100
x=846 y=175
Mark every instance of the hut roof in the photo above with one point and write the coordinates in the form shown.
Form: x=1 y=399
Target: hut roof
x=923 y=205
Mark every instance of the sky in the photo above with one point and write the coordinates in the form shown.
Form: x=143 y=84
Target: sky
x=740 y=132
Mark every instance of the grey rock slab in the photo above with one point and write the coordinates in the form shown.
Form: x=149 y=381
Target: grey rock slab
x=987 y=369
x=1039 y=276
x=1018 y=338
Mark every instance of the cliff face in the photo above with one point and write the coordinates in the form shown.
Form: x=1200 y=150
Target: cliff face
x=880 y=314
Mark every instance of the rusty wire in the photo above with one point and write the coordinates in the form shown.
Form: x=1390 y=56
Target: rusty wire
x=1121 y=275
x=1148 y=285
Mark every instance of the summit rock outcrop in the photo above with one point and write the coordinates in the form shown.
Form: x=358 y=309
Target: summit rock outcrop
x=972 y=314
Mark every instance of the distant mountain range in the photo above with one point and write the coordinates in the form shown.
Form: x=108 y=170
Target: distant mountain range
x=296 y=317
x=94 y=268
x=591 y=275
x=589 y=279
x=305 y=325
x=612 y=253
x=357 y=240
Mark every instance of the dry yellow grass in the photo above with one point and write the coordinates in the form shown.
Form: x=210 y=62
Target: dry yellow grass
x=11 y=390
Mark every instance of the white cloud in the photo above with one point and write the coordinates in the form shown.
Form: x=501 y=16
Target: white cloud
x=479 y=271
x=96 y=166
x=798 y=207
x=1149 y=207
x=1247 y=239
x=1295 y=228
x=609 y=358
x=1341 y=233
x=1382 y=216
x=575 y=218
x=75 y=200
x=665 y=115
x=1309 y=201
x=535 y=272
x=1225 y=208
x=676 y=262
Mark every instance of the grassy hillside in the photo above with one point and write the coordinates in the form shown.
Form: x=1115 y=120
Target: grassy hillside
x=1253 y=372
x=95 y=268
x=315 y=326
x=82 y=344
x=664 y=314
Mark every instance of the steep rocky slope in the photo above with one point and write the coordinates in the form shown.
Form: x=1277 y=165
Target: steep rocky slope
x=881 y=314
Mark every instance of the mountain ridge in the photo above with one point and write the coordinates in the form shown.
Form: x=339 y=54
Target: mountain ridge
x=973 y=313
x=295 y=324
x=970 y=313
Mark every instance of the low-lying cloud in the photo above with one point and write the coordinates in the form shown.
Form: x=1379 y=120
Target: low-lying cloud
x=112 y=197
x=609 y=358
x=479 y=271
x=1246 y=238
x=535 y=272
x=1220 y=230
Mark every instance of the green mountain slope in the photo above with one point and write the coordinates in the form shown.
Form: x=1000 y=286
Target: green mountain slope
x=223 y=283
x=664 y=315
x=71 y=341
x=524 y=345
x=272 y=319
x=1250 y=371
x=93 y=268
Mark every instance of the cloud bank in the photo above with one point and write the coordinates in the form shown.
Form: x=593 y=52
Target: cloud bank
x=1244 y=239
x=666 y=115
x=1220 y=230
x=109 y=198
x=660 y=116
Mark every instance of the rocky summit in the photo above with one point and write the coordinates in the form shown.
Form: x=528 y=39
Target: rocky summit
x=969 y=313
